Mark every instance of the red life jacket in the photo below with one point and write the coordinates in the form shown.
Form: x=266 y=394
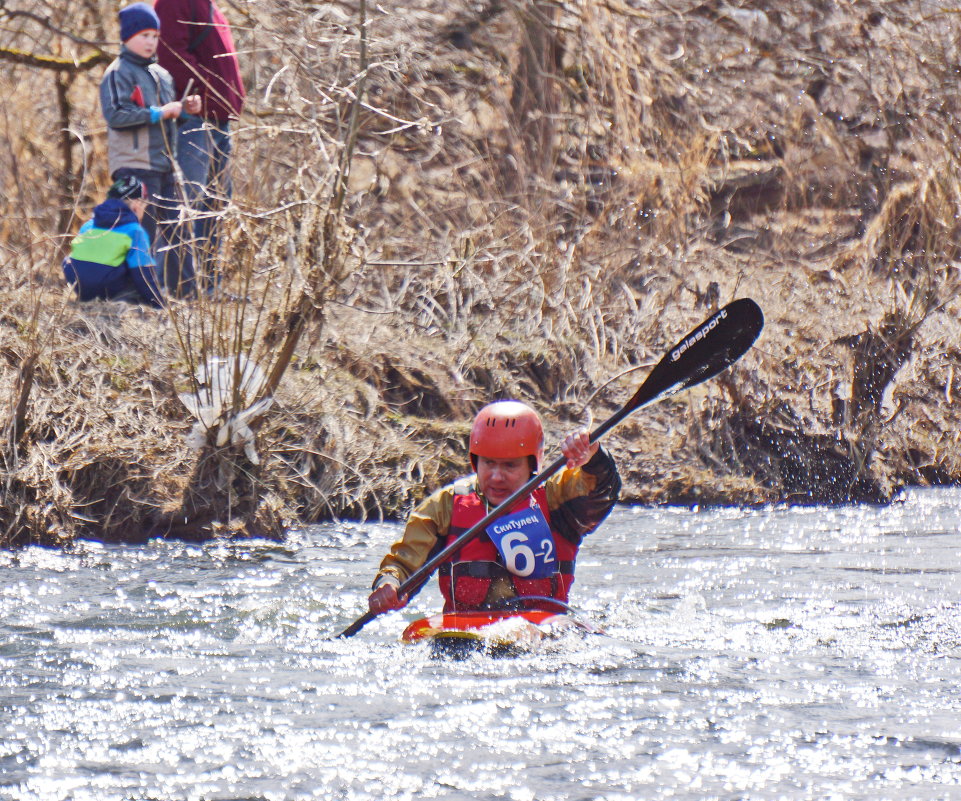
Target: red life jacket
x=466 y=577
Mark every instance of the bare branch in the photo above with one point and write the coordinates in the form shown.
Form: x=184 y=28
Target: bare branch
x=55 y=63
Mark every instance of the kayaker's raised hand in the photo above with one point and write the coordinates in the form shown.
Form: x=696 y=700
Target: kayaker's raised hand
x=578 y=449
x=385 y=598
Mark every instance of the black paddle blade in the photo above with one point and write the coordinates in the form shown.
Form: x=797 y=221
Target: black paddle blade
x=714 y=345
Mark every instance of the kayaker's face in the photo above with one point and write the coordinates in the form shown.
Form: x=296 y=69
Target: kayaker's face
x=498 y=479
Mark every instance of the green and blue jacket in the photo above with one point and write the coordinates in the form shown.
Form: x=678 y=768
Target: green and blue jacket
x=110 y=257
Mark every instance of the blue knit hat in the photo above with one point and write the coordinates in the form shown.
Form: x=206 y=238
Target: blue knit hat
x=136 y=18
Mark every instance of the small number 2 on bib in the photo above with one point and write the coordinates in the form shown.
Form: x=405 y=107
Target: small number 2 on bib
x=525 y=543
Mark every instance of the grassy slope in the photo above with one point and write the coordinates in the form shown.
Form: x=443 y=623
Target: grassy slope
x=688 y=154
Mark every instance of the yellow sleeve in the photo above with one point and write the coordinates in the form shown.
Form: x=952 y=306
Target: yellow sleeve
x=425 y=532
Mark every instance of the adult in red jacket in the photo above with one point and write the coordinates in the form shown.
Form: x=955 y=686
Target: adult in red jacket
x=530 y=551
x=196 y=45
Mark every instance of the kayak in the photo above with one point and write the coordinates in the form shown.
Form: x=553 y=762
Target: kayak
x=509 y=633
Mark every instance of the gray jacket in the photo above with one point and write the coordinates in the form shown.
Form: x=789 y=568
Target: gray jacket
x=131 y=93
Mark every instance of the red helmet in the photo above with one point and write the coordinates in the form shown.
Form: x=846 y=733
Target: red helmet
x=507 y=430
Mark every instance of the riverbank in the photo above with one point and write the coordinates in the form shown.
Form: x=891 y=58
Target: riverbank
x=515 y=231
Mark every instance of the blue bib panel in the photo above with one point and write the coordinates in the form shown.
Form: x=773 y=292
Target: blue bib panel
x=525 y=543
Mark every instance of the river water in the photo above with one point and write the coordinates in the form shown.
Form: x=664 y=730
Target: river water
x=749 y=654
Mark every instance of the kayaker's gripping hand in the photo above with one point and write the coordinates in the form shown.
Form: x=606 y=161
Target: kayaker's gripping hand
x=385 y=598
x=577 y=448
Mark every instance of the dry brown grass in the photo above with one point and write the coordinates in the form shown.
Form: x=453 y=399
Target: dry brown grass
x=803 y=156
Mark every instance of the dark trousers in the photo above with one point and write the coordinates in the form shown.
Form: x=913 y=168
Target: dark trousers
x=169 y=235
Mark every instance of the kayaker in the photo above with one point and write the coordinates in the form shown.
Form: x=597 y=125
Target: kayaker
x=531 y=550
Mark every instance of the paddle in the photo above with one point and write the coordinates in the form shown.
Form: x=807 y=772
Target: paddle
x=715 y=344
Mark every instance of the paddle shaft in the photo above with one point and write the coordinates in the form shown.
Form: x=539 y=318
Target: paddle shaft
x=704 y=352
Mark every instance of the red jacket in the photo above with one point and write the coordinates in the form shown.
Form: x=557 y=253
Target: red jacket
x=195 y=42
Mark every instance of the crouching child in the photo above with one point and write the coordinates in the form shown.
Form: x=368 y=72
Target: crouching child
x=110 y=255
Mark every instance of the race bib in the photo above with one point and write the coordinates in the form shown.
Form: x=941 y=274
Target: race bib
x=525 y=543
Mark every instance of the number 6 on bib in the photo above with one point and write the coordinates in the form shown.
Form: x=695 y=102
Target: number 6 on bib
x=525 y=543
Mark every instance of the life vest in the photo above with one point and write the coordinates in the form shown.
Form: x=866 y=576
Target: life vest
x=466 y=578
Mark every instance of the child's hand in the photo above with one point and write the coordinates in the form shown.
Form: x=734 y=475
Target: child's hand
x=171 y=110
x=192 y=104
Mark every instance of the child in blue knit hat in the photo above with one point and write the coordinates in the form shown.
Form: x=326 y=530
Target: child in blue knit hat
x=139 y=104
